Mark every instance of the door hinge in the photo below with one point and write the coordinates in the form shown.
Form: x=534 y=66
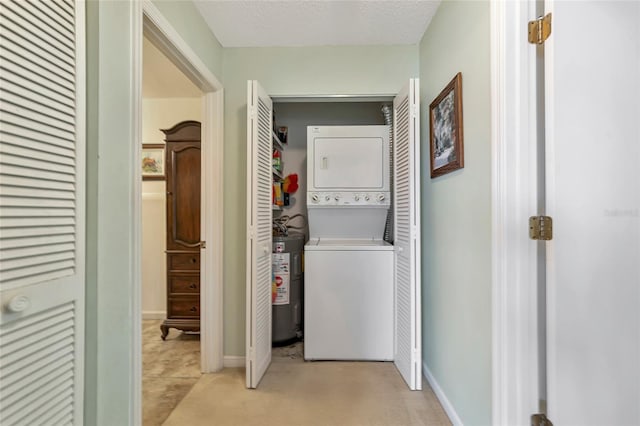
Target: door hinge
x=540 y=420
x=540 y=29
x=540 y=228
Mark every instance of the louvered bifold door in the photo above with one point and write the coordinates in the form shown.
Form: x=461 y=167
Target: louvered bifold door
x=42 y=212
x=259 y=215
x=406 y=118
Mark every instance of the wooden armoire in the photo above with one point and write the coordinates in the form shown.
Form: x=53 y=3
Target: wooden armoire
x=182 y=167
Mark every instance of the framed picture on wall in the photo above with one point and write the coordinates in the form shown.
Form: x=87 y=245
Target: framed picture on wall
x=445 y=125
x=152 y=161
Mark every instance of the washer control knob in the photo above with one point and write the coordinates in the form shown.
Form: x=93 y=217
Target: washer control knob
x=337 y=197
x=327 y=198
x=366 y=198
x=356 y=197
x=315 y=198
x=380 y=197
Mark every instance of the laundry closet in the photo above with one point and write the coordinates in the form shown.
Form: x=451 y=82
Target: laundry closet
x=357 y=167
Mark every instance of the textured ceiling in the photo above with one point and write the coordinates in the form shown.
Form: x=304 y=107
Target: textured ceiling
x=162 y=79
x=239 y=23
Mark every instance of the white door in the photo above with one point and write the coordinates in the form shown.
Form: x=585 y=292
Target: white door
x=42 y=212
x=259 y=216
x=592 y=80
x=406 y=140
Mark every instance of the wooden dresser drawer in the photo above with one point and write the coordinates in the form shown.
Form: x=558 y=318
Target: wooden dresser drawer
x=184 y=307
x=184 y=284
x=183 y=261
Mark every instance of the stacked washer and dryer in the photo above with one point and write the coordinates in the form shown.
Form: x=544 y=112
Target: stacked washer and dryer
x=349 y=268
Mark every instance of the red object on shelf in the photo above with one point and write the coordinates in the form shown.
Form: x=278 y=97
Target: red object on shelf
x=290 y=184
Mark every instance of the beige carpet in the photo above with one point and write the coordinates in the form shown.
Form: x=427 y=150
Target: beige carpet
x=294 y=392
x=170 y=369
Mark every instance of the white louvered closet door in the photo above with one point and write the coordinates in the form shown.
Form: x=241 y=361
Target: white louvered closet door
x=406 y=142
x=259 y=240
x=42 y=158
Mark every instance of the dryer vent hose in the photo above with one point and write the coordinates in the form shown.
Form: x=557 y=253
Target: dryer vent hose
x=387 y=112
x=281 y=224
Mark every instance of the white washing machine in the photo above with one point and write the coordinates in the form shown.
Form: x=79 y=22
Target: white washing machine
x=348 y=267
x=348 y=300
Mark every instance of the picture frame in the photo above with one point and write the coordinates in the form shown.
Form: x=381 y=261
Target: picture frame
x=152 y=161
x=445 y=129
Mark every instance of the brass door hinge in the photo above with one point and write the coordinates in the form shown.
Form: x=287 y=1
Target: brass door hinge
x=540 y=420
x=540 y=29
x=540 y=228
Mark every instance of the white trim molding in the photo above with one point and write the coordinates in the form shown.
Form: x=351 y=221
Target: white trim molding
x=160 y=32
x=233 y=361
x=154 y=315
x=135 y=242
x=211 y=294
x=148 y=20
x=444 y=401
x=514 y=199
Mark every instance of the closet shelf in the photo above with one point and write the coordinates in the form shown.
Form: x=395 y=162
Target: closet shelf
x=277 y=144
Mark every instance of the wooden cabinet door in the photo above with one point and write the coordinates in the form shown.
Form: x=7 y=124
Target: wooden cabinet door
x=183 y=195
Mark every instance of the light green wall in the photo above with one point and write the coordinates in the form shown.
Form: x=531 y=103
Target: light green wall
x=110 y=325
x=287 y=71
x=456 y=215
x=456 y=208
x=185 y=18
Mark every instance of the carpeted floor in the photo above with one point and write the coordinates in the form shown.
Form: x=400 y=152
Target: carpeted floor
x=170 y=369
x=294 y=392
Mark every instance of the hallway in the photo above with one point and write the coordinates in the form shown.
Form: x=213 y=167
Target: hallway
x=170 y=369
x=294 y=392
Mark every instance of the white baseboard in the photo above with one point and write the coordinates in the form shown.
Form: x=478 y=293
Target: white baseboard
x=154 y=315
x=232 y=361
x=444 y=401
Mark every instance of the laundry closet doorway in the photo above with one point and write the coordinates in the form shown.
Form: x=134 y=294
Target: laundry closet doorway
x=349 y=111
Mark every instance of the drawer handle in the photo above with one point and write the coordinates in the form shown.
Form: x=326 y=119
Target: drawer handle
x=193 y=309
x=194 y=260
x=193 y=286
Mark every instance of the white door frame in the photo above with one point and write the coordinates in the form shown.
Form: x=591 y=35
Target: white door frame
x=514 y=199
x=150 y=22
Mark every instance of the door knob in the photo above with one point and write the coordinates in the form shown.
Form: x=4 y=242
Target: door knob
x=18 y=303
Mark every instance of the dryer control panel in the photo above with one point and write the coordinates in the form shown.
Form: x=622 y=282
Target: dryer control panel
x=360 y=199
